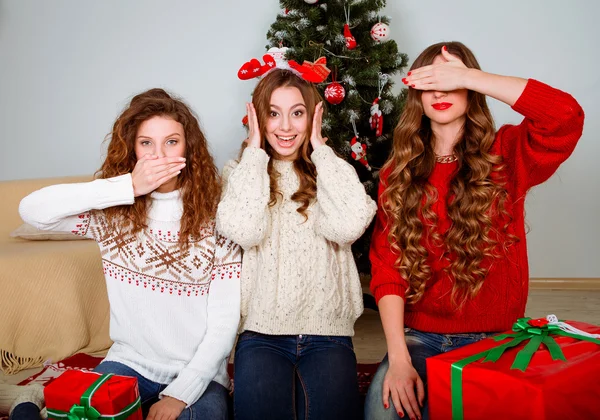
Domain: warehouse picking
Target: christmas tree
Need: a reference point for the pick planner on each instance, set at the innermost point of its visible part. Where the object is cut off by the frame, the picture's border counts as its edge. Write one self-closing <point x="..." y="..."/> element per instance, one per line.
<point x="354" y="38"/>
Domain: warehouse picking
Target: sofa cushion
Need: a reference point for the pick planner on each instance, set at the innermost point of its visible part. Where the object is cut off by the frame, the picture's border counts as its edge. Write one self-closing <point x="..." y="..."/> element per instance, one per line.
<point x="31" y="233"/>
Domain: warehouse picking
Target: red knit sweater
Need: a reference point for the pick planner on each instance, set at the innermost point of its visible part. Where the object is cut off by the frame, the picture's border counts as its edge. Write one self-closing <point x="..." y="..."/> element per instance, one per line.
<point x="532" y="152"/>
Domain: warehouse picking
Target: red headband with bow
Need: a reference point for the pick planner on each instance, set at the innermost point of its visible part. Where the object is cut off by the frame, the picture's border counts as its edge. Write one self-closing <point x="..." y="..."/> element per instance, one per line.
<point x="316" y="72"/>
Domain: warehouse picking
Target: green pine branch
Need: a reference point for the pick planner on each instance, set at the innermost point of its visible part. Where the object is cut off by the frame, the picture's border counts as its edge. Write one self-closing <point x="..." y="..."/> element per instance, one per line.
<point x="314" y="30"/>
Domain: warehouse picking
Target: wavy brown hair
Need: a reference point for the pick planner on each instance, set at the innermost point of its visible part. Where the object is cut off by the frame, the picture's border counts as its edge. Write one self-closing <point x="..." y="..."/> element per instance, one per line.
<point x="303" y="166"/>
<point x="476" y="200"/>
<point x="199" y="181"/>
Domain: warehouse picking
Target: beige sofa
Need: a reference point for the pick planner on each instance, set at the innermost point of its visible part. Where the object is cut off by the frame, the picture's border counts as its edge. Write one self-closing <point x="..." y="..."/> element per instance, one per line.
<point x="53" y="300"/>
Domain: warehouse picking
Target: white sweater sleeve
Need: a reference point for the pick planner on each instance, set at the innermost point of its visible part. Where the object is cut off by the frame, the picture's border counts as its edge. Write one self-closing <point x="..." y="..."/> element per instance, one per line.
<point x="344" y="210"/>
<point x="223" y="315"/>
<point x="61" y="207"/>
<point x="243" y="213"/>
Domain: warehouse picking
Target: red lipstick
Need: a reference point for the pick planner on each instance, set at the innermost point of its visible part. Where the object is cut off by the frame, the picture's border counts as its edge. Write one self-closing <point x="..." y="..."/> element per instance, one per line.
<point x="441" y="106"/>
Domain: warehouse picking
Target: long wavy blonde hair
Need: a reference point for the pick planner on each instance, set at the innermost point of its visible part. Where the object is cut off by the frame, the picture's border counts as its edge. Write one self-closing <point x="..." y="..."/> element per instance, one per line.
<point x="198" y="182"/>
<point x="303" y="166"/>
<point x="476" y="200"/>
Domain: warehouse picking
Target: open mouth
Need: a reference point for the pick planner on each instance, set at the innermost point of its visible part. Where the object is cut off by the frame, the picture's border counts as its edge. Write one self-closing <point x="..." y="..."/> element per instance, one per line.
<point x="285" y="138"/>
<point x="286" y="141"/>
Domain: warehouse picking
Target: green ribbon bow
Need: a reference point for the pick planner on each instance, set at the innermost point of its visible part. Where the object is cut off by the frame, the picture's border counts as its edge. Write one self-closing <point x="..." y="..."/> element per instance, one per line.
<point x="78" y="412"/>
<point x="523" y="331"/>
<point x="85" y="411"/>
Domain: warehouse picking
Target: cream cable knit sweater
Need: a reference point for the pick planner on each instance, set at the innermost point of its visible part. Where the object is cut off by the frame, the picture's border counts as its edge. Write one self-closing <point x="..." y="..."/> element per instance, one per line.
<point x="298" y="276"/>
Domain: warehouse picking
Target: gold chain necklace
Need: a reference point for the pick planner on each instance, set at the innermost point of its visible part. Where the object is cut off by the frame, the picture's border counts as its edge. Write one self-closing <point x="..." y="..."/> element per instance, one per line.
<point x="446" y="158"/>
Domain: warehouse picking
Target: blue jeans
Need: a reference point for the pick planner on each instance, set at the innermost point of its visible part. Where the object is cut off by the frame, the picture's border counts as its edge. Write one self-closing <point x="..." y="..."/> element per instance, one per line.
<point x="211" y="405"/>
<point x="288" y="377"/>
<point x="421" y="345"/>
<point x="25" y="411"/>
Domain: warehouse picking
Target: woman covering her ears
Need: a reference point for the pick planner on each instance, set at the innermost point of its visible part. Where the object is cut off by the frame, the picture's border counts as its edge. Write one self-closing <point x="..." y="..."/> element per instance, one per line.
<point x="295" y="208"/>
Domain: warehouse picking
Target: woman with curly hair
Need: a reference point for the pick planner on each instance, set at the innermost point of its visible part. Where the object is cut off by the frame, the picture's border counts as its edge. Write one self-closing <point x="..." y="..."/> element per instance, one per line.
<point x="449" y="258"/>
<point x="295" y="208"/>
<point x="172" y="279"/>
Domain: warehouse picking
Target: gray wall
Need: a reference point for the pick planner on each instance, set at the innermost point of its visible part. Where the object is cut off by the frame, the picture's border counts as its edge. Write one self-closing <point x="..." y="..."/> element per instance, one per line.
<point x="68" y="67"/>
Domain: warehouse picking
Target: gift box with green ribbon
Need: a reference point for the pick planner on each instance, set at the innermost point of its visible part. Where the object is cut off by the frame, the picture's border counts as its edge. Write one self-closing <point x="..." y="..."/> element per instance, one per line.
<point x="542" y="369"/>
<point x="78" y="395"/>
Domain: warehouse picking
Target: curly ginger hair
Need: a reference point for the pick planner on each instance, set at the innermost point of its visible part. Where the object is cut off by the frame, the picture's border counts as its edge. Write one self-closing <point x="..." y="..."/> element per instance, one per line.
<point x="199" y="182"/>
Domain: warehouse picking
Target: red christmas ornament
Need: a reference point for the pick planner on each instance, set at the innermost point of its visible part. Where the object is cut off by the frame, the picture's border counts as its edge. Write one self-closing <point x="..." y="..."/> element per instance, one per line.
<point x="335" y="93"/>
<point x="376" y="119"/>
<point x="316" y="72"/>
<point x="350" y="40"/>
<point x="359" y="152"/>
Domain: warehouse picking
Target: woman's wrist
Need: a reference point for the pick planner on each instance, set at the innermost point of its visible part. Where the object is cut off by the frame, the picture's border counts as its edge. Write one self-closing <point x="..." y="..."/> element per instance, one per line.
<point x="399" y="357"/>
<point x="472" y="79"/>
<point x="399" y="353"/>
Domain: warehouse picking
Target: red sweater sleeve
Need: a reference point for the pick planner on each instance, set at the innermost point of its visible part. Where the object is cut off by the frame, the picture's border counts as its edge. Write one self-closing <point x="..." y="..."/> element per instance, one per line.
<point x="385" y="278"/>
<point x="534" y="149"/>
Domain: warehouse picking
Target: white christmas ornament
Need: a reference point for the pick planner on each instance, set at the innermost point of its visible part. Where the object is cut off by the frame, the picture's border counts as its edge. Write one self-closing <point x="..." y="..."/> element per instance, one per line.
<point x="380" y="32"/>
<point x="310" y="1"/>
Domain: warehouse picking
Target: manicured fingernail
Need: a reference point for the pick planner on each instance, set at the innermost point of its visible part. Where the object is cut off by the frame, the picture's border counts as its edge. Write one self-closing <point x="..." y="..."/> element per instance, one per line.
<point x="401" y="414"/>
<point x="445" y="48"/>
<point x="386" y="406"/>
<point x="412" y="86"/>
<point x="404" y="81"/>
<point x="408" y="74"/>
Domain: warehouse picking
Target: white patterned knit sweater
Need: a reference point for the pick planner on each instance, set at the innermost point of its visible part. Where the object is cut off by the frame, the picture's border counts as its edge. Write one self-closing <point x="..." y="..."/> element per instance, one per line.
<point x="298" y="276"/>
<point x="173" y="315"/>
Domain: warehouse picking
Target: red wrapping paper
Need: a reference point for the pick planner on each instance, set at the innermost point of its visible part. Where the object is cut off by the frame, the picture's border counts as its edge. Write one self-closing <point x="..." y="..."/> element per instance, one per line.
<point x="547" y="390"/>
<point x="111" y="398"/>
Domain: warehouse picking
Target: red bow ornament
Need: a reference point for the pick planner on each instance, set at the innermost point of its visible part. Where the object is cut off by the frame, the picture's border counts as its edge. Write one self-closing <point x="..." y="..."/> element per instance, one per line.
<point x="316" y="72"/>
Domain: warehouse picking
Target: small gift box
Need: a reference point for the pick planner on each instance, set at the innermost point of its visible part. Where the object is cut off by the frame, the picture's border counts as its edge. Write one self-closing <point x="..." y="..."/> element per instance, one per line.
<point x="542" y="369"/>
<point x="87" y="395"/>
